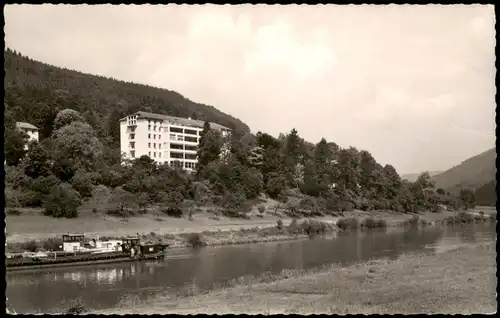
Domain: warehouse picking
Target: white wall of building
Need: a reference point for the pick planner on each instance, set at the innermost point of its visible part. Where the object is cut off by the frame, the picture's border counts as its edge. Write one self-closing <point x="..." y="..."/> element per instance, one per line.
<point x="161" y="140"/>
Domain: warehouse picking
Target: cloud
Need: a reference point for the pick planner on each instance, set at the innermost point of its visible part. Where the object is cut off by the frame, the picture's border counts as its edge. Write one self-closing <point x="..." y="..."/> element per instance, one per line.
<point x="395" y="80"/>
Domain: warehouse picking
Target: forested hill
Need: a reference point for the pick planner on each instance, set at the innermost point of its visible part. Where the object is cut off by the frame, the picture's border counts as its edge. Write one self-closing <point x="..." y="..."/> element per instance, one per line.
<point x="35" y="92"/>
<point x="472" y="173"/>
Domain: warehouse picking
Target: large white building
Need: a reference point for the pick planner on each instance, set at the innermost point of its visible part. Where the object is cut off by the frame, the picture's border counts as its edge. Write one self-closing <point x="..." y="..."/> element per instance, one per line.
<point x="165" y="139"/>
<point x="30" y="130"/>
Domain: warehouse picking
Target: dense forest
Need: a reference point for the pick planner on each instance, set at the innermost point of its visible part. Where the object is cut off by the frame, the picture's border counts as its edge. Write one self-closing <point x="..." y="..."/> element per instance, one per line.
<point x="35" y="92"/>
<point x="76" y="165"/>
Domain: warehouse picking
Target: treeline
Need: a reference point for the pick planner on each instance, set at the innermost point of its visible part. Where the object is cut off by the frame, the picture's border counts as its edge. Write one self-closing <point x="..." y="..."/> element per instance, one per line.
<point x="35" y="92"/>
<point x="73" y="167"/>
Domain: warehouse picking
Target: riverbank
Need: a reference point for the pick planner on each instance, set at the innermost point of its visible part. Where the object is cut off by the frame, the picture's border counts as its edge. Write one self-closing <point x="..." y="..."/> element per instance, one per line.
<point x="30" y="231"/>
<point x="458" y="281"/>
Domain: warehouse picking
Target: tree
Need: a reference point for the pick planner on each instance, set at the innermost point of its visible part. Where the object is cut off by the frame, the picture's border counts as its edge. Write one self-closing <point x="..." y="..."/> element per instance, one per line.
<point x="37" y="161"/>
<point x="66" y="117"/>
<point x="62" y="201"/>
<point x="84" y="182"/>
<point x="293" y="152"/>
<point x="121" y="200"/>
<point x="14" y="141"/>
<point x="209" y="149"/>
<point x="467" y="198"/>
<point x="276" y="183"/>
<point x="75" y="147"/>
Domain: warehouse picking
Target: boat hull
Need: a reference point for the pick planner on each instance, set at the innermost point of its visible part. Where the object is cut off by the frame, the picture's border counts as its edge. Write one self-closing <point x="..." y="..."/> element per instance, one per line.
<point x="78" y="260"/>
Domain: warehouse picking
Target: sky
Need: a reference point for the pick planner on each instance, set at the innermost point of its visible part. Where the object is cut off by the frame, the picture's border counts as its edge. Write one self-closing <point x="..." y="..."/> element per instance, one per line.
<point x="414" y="85"/>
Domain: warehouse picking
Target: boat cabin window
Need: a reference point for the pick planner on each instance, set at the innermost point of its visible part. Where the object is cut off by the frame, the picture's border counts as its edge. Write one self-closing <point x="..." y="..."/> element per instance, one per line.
<point x="73" y="238"/>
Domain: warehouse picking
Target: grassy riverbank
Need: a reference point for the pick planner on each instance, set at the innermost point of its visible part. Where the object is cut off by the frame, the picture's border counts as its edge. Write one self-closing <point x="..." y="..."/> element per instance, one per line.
<point x="30" y="230"/>
<point x="456" y="281"/>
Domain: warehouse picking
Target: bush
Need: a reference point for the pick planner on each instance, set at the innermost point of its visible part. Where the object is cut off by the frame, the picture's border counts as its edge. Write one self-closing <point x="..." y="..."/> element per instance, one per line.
<point x="372" y="223"/>
<point x="279" y="224"/>
<point x="62" y="201"/>
<point x="31" y="199"/>
<point x="348" y="223"/>
<point x="123" y="213"/>
<point x="31" y="246"/>
<point x="314" y="227"/>
<point x="293" y="228"/>
<point x="261" y="209"/>
<point x="13" y="212"/>
<point x="173" y="212"/>
<point x="52" y="244"/>
<point x="195" y="240"/>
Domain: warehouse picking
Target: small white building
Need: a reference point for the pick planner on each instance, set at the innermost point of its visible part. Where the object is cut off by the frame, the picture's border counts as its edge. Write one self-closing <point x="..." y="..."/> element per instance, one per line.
<point x="165" y="139"/>
<point x="30" y="130"/>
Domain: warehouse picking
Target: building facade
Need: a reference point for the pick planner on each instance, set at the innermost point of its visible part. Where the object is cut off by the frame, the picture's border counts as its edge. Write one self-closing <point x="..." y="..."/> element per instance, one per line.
<point x="165" y="139"/>
<point x="30" y="130"/>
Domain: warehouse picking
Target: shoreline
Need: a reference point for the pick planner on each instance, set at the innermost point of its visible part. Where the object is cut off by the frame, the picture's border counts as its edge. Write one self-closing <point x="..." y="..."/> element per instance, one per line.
<point x="234" y="232"/>
<point x="462" y="280"/>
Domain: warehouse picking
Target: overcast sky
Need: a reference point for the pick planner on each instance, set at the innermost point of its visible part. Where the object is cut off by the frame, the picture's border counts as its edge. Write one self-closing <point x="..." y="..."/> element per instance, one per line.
<point x="414" y="85"/>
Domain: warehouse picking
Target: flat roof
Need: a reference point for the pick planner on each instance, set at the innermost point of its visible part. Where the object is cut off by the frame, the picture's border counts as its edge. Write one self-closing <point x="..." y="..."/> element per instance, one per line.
<point x="176" y="120"/>
<point x="21" y="124"/>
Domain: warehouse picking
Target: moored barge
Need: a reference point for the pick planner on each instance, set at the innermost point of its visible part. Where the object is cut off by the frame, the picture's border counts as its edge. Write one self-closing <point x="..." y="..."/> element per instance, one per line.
<point x="127" y="250"/>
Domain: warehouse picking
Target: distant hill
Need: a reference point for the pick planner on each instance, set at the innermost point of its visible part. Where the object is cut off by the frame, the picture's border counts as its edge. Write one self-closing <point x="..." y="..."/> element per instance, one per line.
<point x="35" y="91"/>
<point x="486" y="194"/>
<point x="471" y="173"/>
<point x="412" y="177"/>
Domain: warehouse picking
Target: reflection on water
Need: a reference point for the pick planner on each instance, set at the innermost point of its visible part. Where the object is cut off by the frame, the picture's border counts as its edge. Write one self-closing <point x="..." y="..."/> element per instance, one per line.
<point x="103" y="286"/>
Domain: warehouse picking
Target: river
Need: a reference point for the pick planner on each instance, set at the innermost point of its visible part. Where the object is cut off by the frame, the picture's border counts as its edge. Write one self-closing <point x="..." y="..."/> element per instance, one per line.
<point x="104" y="286"/>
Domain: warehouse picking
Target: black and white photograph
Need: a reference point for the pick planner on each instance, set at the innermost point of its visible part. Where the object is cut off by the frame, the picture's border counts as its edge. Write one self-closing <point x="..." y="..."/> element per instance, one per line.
<point x="250" y="159"/>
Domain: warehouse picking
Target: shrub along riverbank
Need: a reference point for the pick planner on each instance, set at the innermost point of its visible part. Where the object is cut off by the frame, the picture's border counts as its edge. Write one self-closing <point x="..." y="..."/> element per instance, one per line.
<point x="295" y="229"/>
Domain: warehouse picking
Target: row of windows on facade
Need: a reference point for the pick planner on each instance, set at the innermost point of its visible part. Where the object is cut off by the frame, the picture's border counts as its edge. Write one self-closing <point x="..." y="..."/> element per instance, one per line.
<point x="172" y="137"/>
<point x="174" y="155"/>
<point x="172" y="146"/>
<point x="168" y="129"/>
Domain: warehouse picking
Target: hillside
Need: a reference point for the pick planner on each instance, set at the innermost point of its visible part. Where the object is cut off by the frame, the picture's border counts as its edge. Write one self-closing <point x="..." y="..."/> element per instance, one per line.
<point x="412" y="177"/>
<point x="473" y="172"/>
<point x="34" y="89"/>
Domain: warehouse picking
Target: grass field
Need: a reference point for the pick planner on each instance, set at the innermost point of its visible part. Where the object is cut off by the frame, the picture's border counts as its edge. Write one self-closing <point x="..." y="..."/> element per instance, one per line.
<point x="459" y="281"/>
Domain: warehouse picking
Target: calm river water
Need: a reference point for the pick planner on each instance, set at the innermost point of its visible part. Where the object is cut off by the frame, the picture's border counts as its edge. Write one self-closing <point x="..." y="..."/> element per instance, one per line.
<point x="103" y="286"/>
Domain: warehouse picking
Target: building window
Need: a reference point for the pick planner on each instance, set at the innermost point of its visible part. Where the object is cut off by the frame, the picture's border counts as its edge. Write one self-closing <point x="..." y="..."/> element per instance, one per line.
<point x="154" y="154"/>
<point x="154" y="145"/>
<point x="154" y="136"/>
<point x="159" y="146"/>
<point x="176" y="155"/>
<point x="149" y="136"/>
<point x="154" y="128"/>
<point x="176" y="146"/>
<point x="149" y="154"/>
<point x="132" y="154"/>
<point x="132" y="145"/>
<point x="159" y="136"/>
<point x="131" y="136"/>
<point x="190" y="156"/>
<point x="176" y="130"/>
<point x="190" y="132"/>
<point x="192" y="148"/>
<point x="191" y="139"/>
<point x="149" y="145"/>
<point x="172" y="136"/>
<point x="181" y="138"/>
<point x="159" y="155"/>
<point x="149" y="127"/>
